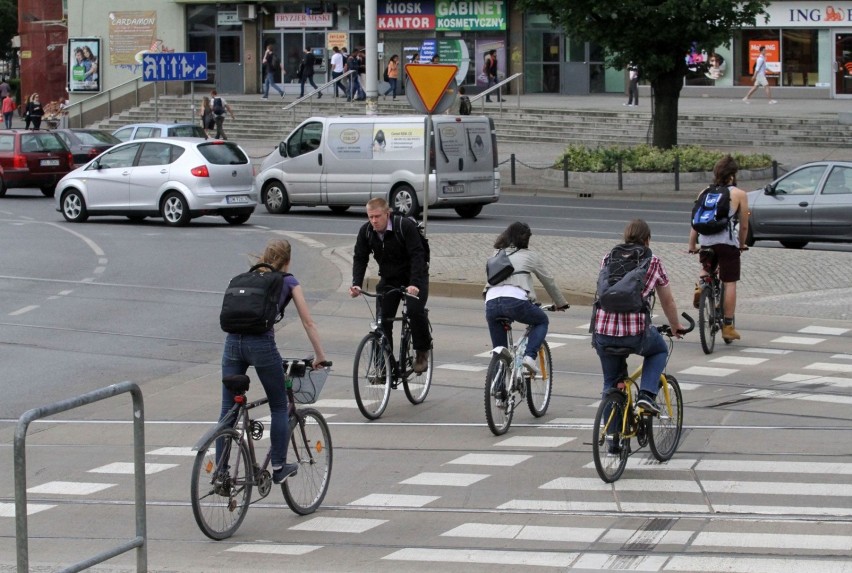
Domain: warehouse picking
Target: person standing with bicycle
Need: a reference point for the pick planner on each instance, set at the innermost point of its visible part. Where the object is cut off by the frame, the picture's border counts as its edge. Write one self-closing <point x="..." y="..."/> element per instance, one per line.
<point x="723" y="249"/>
<point x="634" y="330"/>
<point x="514" y="298"/>
<point x="260" y="351"/>
<point x="402" y="264"/>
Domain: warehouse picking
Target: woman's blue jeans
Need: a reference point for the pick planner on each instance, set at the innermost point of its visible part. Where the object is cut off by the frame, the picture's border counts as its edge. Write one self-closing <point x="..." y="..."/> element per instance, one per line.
<point x="651" y="345"/>
<point x="391" y="87"/>
<point x="522" y="311"/>
<point x="260" y="351"/>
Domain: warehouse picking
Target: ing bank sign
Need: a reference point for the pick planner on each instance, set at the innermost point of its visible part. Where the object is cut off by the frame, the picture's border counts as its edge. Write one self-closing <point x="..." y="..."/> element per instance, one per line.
<point x="808" y="14"/>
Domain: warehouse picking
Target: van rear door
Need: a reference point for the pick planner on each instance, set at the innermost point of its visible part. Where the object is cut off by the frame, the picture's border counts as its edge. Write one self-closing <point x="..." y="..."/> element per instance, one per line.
<point x="348" y="172"/>
<point x="464" y="159"/>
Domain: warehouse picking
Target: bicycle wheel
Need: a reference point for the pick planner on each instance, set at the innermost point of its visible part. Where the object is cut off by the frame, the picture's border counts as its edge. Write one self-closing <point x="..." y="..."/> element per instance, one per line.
<point x="540" y="388"/>
<point x="416" y="385"/>
<point x="371" y="376"/>
<point x="221" y="491"/>
<point x="311" y="450"/>
<point x="499" y="403"/>
<point x="664" y="430"/>
<point x="707" y="320"/>
<point x="609" y="448"/>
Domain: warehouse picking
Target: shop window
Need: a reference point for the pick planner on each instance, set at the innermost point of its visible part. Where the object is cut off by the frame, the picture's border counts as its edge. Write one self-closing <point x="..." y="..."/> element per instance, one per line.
<point x="746" y="55"/>
<point x="799" y="58"/>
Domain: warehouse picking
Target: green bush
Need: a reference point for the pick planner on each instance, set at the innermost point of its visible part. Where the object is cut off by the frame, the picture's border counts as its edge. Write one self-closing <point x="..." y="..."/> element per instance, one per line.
<point x="644" y="158"/>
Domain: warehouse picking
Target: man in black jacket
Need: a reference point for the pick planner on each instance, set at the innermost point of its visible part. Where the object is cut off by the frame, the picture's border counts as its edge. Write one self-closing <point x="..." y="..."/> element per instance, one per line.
<point x="402" y="263"/>
<point x="306" y="72"/>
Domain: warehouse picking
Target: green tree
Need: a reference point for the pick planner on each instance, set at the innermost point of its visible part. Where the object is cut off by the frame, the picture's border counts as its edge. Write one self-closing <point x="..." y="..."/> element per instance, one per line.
<point x="8" y="26"/>
<point x="654" y="34"/>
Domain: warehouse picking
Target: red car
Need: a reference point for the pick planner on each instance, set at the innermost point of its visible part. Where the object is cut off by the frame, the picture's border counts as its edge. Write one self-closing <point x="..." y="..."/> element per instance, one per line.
<point x="32" y="159"/>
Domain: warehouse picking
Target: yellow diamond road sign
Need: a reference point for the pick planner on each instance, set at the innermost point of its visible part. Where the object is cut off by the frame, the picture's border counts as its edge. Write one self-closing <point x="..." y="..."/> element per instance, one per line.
<point x="430" y="81"/>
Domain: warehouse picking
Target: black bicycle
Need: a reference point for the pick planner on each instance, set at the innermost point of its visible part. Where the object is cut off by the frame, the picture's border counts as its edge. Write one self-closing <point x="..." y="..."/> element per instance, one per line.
<point x="226" y="468"/>
<point x="377" y="371"/>
<point x="711" y="308"/>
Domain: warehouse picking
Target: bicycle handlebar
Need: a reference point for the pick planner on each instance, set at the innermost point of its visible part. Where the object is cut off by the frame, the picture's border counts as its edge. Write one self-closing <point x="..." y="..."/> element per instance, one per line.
<point x="667" y="329"/>
<point x="553" y="307"/>
<point x="397" y="289"/>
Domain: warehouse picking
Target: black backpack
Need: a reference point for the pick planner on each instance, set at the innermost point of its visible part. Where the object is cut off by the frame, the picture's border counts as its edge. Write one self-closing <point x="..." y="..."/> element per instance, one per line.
<point x="218" y="108"/>
<point x="711" y="212"/>
<point x="464" y="105"/>
<point x="421" y="231"/>
<point x="622" y="279"/>
<point x="250" y="305"/>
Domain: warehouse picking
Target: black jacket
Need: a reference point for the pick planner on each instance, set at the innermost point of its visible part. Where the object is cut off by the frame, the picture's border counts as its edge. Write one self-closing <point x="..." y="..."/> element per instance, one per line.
<point x="401" y="258"/>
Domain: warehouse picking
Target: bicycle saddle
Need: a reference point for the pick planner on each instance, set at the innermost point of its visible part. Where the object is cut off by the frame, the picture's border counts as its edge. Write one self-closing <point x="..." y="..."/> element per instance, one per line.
<point x="618" y="350"/>
<point x="505" y="320"/>
<point x="238" y="383"/>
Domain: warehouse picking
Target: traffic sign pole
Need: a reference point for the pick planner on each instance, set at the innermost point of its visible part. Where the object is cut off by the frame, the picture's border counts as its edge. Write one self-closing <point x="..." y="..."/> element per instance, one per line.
<point x="428" y="170"/>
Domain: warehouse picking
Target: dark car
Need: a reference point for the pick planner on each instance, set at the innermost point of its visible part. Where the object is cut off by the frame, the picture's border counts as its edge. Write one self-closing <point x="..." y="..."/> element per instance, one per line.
<point x="33" y="159"/>
<point x="86" y="144"/>
<point x="811" y="203"/>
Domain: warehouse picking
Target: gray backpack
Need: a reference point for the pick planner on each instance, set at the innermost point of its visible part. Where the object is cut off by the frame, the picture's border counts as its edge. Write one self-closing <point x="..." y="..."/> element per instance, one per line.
<point x="622" y="279"/>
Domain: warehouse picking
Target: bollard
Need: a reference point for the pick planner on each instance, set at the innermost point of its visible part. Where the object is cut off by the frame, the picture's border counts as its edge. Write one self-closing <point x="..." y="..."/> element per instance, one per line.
<point x="565" y="172"/>
<point x="620" y="180"/>
<point x="513" y="168"/>
<point x="774" y="169"/>
<point x="677" y="172"/>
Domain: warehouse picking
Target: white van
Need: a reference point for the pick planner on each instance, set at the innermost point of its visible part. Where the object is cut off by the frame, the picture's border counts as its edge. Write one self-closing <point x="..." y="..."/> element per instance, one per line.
<point x="345" y="161"/>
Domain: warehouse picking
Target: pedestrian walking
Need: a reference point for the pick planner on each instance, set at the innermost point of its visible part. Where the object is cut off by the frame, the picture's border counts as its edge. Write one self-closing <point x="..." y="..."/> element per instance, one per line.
<point x="220" y="106"/>
<point x="8" y="110"/>
<point x="306" y="72"/>
<point x="391" y="76"/>
<point x="633" y="85"/>
<point x="206" y="114"/>
<point x="337" y="65"/>
<point x="271" y="65"/>
<point x="490" y="69"/>
<point x="33" y="112"/>
<point x="759" y="78"/>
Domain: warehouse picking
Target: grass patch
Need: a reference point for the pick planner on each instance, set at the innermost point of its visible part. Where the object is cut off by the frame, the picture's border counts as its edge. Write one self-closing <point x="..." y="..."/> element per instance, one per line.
<point x="648" y="159"/>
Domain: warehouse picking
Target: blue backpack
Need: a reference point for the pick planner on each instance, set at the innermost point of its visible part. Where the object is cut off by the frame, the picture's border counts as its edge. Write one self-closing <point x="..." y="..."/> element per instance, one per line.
<point x="711" y="212"/>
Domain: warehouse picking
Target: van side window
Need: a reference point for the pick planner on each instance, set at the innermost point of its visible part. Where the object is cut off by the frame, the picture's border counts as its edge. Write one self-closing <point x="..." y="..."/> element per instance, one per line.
<point x="305" y="139"/>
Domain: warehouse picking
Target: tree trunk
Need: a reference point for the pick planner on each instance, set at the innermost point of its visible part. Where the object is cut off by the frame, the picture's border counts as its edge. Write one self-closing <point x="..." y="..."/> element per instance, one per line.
<point x="666" y="88"/>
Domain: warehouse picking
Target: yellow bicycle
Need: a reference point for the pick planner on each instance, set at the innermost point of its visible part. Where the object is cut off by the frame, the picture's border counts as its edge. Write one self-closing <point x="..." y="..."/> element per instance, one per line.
<point x="619" y="419"/>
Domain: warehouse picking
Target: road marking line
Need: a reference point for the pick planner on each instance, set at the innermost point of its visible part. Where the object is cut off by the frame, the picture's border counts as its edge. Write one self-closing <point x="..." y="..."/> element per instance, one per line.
<point x="776" y="488"/>
<point x="483" y="354"/>
<point x="783" y="510"/>
<point x="798" y="340"/>
<point x="553" y="505"/>
<point x="24" y="310"/>
<point x="273" y="549"/>
<point x="339" y="524"/>
<point x="798" y="396"/>
<point x="462" y="367"/>
<point x="646" y="537"/>
<point x="127" y="468"/>
<point x="823" y="330"/>
<point x="708" y="371"/>
<point x="70" y="488"/>
<point x="743" y="360"/>
<point x="330" y="403"/>
<point x="534" y="442"/>
<point x="570" y="336"/>
<point x="688" y="385"/>
<point x="740" y="564"/>
<point x="842" y="356"/>
<point x="792" y="377"/>
<point x="608" y="562"/>
<point x="650" y="463"/>
<point x="8" y="509"/>
<point x="766" y="350"/>
<point x="445" y="479"/>
<point x="173" y="451"/>
<point x="594" y="484"/>
<point x="825" y="380"/>
<point x="756" y="466"/>
<point x="829" y="366"/>
<point x="525" y="532"/>
<point x="526" y="558"/>
<point x="502" y="460"/>
<point x="394" y="500"/>
<point x="555" y="344"/>
<point x="773" y="540"/>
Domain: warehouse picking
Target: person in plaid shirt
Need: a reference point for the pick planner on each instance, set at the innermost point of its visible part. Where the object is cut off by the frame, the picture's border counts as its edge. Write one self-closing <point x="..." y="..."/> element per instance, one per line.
<point x="634" y="330"/>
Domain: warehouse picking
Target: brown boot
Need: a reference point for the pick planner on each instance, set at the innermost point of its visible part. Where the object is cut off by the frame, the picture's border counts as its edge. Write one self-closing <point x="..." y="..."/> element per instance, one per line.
<point x="697" y="296"/>
<point x="729" y="333"/>
<point x="421" y="361"/>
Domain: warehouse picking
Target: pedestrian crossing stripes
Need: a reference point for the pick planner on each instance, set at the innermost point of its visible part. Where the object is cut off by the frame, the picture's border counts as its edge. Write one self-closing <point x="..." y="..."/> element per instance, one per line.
<point x="339" y="524"/>
<point x="129" y="468"/>
<point x="444" y="479"/>
<point x="394" y="500"/>
<point x="274" y="548"/>
<point x="500" y="460"/>
<point x="69" y="488"/>
<point x="8" y="509"/>
<point x="803" y="340"/>
<point x="524" y="558"/>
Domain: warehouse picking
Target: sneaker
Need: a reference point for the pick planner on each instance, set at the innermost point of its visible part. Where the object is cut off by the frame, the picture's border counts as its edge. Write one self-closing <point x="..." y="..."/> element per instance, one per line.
<point x="614" y="447"/>
<point x="530" y="364"/>
<point x="263" y="97"/>
<point x="626" y="104"/>
<point x="421" y="361"/>
<point x="772" y="101"/>
<point x="319" y="95"/>
<point x="729" y="333"/>
<point x="282" y="96"/>
<point x="648" y="403"/>
<point x="285" y="471"/>
<point x="696" y="297"/>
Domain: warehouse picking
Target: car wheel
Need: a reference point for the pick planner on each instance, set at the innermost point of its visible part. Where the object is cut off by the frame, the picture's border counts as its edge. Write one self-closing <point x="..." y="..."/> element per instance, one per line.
<point x="236" y="219"/>
<point x="275" y="197"/>
<point x="468" y="211"/>
<point x="174" y="210"/>
<point x="338" y="208"/>
<point x="74" y="207"/>
<point x="404" y="201"/>
<point x="794" y="244"/>
<point x="49" y="191"/>
<point x="136" y="218"/>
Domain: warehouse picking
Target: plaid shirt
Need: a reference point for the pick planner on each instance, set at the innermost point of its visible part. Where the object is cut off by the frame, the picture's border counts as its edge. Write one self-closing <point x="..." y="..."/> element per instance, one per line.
<point x="631" y="323"/>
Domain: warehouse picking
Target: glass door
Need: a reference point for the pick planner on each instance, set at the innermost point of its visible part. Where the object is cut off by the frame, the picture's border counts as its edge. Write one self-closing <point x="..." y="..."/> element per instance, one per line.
<point x="843" y="64"/>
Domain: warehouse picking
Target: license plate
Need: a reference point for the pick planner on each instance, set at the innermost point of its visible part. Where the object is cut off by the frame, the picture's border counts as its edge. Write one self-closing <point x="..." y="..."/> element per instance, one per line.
<point x="237" y="199"/>
<point x="50" y="163"/>
<point x="449" y="189"/>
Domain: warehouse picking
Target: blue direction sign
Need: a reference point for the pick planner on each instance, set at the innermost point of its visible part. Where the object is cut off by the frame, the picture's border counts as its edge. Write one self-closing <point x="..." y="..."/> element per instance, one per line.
<point x="174" y="66"/>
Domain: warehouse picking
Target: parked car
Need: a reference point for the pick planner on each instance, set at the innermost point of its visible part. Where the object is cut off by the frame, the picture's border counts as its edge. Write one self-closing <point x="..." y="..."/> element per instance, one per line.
<point x="86" y="144"/>
<point x="144" y="130"/>
<point x="811" y="203"/>
<point x="32" y="159"/>
<point x="177" y="179"/>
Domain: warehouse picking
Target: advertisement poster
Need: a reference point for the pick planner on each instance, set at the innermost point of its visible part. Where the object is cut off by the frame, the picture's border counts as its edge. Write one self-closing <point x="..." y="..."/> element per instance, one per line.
<point x="389" y="137"/>
<point x="483" y="46"/>
<point x="131" y="34"/>
<point x="772" y="53"/>
<point x="83" y="65"/>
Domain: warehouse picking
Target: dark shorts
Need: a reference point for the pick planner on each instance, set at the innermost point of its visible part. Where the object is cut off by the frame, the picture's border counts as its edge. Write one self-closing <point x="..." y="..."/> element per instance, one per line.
<point x="726" y="257"/>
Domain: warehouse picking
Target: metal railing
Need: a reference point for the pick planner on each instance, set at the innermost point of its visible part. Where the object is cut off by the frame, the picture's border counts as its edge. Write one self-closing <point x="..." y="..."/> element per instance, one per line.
<point x="496" y="87"/>
<point x="107" y="98"/>
<point x="140" y="542"/>
<point x="310" y="95"/>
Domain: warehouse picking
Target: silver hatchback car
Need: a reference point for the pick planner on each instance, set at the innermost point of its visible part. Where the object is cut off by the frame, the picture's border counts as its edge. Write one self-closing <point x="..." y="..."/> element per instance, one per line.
<point x="177" y="179"/>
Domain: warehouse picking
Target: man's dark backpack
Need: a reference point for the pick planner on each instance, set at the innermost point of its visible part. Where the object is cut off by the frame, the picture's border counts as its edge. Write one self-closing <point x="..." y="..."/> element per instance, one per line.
<point x="421" y="232"/>
<point x="250" y="305"/>
<point x="622" y="279"/>
<point x="464" y="105"/>
<point x="711" y="212"/>
<point x="386" y="77"/>
<point x="218" y="108"/>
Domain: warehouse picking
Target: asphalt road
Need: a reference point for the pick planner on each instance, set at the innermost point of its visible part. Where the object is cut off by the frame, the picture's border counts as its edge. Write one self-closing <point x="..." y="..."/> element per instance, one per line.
<point x="760" y="481"/>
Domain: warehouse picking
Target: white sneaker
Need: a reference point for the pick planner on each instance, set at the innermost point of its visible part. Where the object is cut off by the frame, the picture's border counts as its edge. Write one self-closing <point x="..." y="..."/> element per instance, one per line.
<point x="772" y="101"/>
<point x="530" y="364"/>
<point x="746" y="100"/>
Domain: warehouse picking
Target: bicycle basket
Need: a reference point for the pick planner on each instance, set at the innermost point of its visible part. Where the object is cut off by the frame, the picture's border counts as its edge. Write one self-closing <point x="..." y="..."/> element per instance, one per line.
<point x="307" y="388"/>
